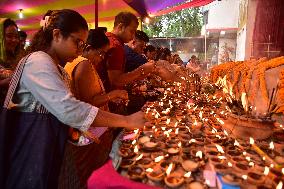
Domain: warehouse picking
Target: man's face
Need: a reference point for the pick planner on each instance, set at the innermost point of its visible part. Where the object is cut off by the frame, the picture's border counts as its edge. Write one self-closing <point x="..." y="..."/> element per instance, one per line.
<point x="128" y="32"/>
<point x="139" y="46"/>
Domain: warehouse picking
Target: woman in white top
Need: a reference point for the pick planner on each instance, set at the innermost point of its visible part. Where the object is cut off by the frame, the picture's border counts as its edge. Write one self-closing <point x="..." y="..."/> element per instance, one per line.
<point x="44" y="85"/>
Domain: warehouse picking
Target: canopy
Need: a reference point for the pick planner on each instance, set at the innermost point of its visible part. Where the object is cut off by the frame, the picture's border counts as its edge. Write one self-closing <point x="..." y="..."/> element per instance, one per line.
<point x="34" y="9"/>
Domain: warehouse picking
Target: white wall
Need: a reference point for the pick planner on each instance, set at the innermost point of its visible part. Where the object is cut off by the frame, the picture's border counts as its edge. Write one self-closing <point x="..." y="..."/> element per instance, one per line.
<point x="223" y="14"/>
<point x="241" y="44"/>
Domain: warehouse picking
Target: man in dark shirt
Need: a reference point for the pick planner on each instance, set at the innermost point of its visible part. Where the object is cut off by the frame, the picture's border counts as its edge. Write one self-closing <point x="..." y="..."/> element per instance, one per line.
<point x="134" y="51"/>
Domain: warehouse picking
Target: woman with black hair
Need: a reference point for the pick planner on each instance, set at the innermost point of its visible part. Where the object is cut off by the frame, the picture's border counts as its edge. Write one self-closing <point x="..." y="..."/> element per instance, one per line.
<point x="9" y="53"/>
<point x="39" y="106"/>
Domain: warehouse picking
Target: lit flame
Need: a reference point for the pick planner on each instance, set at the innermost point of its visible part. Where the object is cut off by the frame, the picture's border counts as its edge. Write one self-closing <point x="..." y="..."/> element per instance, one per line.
<point x="283" y="171"/>
<point x="244" y="101"/>
<point x="251" y="164"/>
<point x="139" y="157"/>
<point x="271" y="146"/>
<point x="136" y="149"/>
<point x="176" y="131"/>
<point x="149" y="170"/>
<point x="221" y="157"/>
<point x="245" y="177"/>
<point x="163" y="128"/>
<point x="248" y="158"/>
<point x="236" y="143"/>
<point x="179" y="144"/>
<point x="192" y="140"/>
<point x="159" y="158"/>
<point x="195" y="123"/>
<point x="280" y="185"/>
<point x="200" y="114"/>
<point x="251" y="141"/>
<point x="271" y="165"/>
<point x="266" y="171"/>
<point x="168" y="121"/>
<point x="169" y="169"/>
<point x="136" y="131"/>
<point x="219" y="148"/>
<point x="133" y="142"/>
<point x="226" y="133"/>
<point x="176" y="124"/>
<point x="187" y="175"/>
<point x="230" y="164"/>
<point x="148" y="109"/>
<point x="199" y="154"/>
<point x="220" y="121"/>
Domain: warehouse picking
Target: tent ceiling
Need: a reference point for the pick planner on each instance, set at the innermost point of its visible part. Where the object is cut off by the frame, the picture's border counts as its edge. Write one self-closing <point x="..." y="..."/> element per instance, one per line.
<point x="34" y="9"/>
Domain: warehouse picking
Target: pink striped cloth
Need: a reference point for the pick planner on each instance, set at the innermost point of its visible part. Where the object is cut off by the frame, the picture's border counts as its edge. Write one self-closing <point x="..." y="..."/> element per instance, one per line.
<point x="106" y="177"/>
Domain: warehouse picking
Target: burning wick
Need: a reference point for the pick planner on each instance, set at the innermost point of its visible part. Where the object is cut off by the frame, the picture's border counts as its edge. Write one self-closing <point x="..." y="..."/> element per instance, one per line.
<point x="251" y="141"/>
<point x="266" y="171"/>
<point x="187" y="175"/>
<point x="136" y="131"/>
<point x="283" y="171"/>
<point x="245" y="177"/>
<point x="220" y="149"/>
<point x="176" y="131"/>
<point x="169" y="169"/>
<point x="139" y="157"/>
<point x="280" y="185"/>
<point x="159" y="158"/>
<point x="251" y="164"/>
<point x="236" y="143"/>
<point x="133" y="142"/>
<point x="168" y="121"/>
<point x="149" y="170"/>
<point x="230" y="164"/>
<point x="199" y="154"/>
<point x="271" y="145"/>
<point x="136" y="149"/>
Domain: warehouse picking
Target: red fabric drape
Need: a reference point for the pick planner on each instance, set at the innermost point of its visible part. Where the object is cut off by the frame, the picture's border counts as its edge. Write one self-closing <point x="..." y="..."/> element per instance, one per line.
<point x="191" y="4"/>
<point x="269" y="21"/>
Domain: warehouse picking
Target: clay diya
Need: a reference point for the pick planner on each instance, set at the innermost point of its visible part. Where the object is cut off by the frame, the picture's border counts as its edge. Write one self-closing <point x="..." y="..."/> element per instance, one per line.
<point x="196" y="185"/>
<point x="145" y="162"/>
<point x="173" y="151"/>
<point x="126" y="153"/>
<point x="231" y="179"/>
<point x="279" y="160"/>
<point x="150" y="146"/>
<point x="125" y="163"/>
<point x="172" y="143"/>
<point x="255" y="178"/>
<point x="144" y="139"/>
<point x="241" y="167"/>
<point x="221" y="168"/>
<point x="174" y="180"/>
<point x="234" y="153"/>
<point x="190" y="165"/>
<point x="136" y="172"/>
<point x="156" y="175"/>
<point x="164" y="165"/>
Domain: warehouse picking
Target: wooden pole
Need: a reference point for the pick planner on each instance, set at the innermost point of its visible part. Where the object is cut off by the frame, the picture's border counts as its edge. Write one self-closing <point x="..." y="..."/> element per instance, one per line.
<point x="96" y="13"/>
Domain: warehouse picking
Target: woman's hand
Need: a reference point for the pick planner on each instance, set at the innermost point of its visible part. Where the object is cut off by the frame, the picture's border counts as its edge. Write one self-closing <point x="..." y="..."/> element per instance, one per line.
<point x="136" y="120"/>
<point x="118" y="94"/>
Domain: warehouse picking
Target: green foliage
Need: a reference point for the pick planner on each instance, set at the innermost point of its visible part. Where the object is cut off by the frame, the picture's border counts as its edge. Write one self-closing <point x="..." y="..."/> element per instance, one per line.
<point x="184" y="23"/>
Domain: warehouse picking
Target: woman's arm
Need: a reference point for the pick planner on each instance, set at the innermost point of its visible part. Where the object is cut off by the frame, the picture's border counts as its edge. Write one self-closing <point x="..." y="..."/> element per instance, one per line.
<point x="42" y="78"/>
<point x="86" y="88"/>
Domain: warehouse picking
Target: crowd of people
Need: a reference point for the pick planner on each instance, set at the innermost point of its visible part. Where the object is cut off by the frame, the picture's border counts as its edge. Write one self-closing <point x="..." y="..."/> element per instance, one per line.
<point x="70" y="83"/>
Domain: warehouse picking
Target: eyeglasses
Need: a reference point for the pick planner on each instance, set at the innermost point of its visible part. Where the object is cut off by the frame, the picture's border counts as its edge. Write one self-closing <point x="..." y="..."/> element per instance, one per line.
<point x="80" y="43"/>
